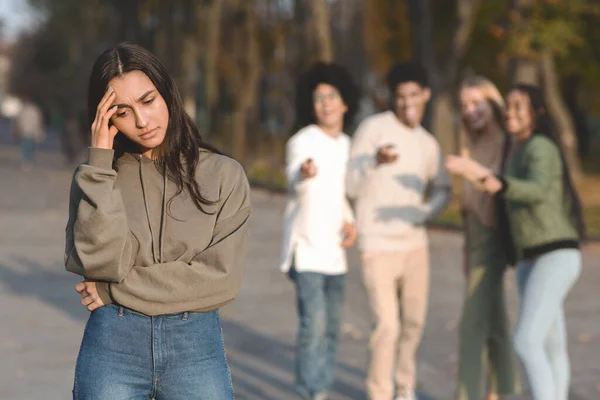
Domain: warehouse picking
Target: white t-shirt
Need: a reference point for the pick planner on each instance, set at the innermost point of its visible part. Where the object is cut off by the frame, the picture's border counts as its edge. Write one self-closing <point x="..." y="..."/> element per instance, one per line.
<point x="316" y="207"/>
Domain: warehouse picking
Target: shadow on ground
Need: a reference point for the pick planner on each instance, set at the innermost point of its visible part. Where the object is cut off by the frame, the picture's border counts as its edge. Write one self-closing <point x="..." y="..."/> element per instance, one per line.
<point x="262" y="366"/>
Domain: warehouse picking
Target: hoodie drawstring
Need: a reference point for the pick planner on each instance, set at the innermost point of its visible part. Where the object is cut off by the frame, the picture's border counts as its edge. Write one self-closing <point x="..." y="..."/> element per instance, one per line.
<point x="156" y="259"/>
<point x="163" y="218"/>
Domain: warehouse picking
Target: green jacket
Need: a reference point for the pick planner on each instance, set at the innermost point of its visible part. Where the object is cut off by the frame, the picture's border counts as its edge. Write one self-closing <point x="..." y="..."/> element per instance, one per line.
<point x="537" y="209"/>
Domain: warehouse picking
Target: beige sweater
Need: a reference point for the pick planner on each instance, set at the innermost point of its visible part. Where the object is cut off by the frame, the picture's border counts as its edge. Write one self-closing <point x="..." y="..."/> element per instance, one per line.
<point x="151" y="256"/>
<point x="394" y="201"/>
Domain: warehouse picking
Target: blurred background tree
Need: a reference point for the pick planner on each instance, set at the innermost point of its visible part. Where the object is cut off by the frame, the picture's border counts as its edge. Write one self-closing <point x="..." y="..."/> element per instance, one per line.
<point x="236" y="61"/>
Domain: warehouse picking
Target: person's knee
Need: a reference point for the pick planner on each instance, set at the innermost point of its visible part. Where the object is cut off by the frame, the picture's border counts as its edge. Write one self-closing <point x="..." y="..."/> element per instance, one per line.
<point x="526" y="344"/>
<point x="555" y="346"/>
<point x="387" y="330"/>
<point x="471" y="324"/>
<point x="313" y="327"/>
<point x="413" y="324"/>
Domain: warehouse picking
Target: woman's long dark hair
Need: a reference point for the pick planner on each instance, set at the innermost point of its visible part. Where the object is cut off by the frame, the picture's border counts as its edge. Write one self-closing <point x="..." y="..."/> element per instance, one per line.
<point x="180" y="150"/>
<point x="545" y="126"/>
<point x="331" y="74"/>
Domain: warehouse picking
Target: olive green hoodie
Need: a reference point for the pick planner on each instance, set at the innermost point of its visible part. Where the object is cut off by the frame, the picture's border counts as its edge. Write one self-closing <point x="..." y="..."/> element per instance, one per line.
<point x="152" y="254"/>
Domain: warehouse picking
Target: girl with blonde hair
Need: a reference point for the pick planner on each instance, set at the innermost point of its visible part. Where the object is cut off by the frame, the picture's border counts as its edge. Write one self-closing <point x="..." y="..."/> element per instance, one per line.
<point x="484" y="327"/>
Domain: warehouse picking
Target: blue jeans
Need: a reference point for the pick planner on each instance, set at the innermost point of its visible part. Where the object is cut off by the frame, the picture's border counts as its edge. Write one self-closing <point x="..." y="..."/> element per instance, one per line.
<point x="541" y="337"/>
<point x="28" y="149"/>
<point x="127" y="355"/>
<point x="320" y="299"/>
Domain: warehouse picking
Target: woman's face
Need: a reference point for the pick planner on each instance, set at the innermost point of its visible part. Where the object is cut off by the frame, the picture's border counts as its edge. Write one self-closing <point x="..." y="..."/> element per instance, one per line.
<point x="142" y="114"/>
<point x="329" y="107"/>
<point x="519" y="115"/>
<point x="476" y="110"/>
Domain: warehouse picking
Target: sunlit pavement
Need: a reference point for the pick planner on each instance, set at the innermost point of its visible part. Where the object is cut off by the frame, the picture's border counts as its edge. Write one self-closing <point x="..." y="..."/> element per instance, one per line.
<point x="42" y="320"/>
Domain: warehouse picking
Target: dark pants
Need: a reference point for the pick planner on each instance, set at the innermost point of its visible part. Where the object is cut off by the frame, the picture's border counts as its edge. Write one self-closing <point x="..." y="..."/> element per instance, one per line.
<point x="127" y="355"/>
<point x="485" y="338"/>
<point x="320" y="299"/>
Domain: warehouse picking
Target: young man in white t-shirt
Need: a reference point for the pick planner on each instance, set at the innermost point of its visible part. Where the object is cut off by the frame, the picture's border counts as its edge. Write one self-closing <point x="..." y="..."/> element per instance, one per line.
<point x="394" y="164"/>
<point x="318" y="221"/>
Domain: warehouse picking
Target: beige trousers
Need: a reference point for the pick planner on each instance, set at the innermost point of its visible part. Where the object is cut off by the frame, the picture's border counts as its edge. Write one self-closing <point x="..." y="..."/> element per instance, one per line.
<point x="397" y="287"/>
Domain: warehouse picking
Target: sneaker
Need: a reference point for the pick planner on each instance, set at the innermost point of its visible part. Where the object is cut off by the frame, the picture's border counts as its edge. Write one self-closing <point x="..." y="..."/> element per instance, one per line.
<point x="405" y="394"/>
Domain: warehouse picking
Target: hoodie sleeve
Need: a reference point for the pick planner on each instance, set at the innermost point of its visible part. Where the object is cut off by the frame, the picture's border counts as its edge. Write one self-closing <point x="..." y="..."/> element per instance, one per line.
<point x="441" y="185"/>
<point x="295" y="156"/>
<point x="543" y="167"/>
<point x="362" y="162"/>
<point x="99" y="245"/>
<point x="211" y="279"/>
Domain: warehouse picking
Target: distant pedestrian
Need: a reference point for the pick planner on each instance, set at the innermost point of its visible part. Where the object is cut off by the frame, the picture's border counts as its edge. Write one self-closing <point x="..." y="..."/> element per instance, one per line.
<point x="485" y="335"/>
<point x="28" y="129"/>
<point x="394" y="162"/>
<point x="318" y="221"/>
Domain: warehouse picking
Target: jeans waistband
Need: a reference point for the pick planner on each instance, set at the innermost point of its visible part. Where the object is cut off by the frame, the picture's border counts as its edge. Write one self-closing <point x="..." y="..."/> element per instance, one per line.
<point x="122" y="311"/>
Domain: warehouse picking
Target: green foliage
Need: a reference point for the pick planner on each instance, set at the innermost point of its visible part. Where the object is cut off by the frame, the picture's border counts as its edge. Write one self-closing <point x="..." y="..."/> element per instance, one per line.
<point x="387" y="32"/>
<point x="553" y="24"/>
<point x="584" y="60"/>
<point x="485" y="55"/>
<point x="262" y="173"/>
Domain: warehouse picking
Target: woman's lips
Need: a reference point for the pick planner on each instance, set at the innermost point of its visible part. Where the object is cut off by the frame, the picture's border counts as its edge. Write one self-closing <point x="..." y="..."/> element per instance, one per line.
<point x="148" y="135"/>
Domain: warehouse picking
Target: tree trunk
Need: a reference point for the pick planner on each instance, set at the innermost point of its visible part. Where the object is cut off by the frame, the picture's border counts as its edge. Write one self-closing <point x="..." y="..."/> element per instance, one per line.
<point x="238" y="140"/>
<point x="320" y="17"/>
<point x="190" y="57"/>
<point x="442" y="76"/>
<point x="559" y="113"/>
<point x="161" y="35"/>
<point x="443" y="124"/>
<point x="210" y="73"/>
<point x="190" y="74"/>
<point x="522" y="67"/>
<point x="243" y="64"/>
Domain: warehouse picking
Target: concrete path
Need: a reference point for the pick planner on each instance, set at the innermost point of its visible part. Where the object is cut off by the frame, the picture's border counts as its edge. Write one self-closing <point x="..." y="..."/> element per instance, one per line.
<point x="42" y="321"/>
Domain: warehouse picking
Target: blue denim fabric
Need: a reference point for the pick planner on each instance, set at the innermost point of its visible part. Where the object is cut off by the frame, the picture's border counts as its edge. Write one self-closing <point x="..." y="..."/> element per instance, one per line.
<point x="127" y="355"/>
<point x="28" y="149"/>
<point x="320" y="300"/>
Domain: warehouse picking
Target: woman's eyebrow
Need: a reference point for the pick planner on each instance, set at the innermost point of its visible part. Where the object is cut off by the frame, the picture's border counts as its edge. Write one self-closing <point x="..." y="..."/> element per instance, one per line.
<point x="139" y="100"/>
<point x="142" y="97"/>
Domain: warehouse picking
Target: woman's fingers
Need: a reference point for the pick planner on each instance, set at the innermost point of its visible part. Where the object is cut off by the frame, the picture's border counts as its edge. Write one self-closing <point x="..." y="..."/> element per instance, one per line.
<point x="102" y="133"/>
<point x="81" y="286"/>
<point x="105" y="102"/>
<point x="86" y="301"/>
<point x="94" y="306"/>
<point x="113" y="131"/>
<point x="108" y="114"/>
<point x="89" y="295"/>
<point x="103" y="107"/>
<point x="101" y="113"/>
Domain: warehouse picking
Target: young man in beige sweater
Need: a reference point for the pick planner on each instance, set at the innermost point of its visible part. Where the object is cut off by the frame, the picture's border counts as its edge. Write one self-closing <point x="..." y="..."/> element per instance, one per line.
<point x="396" y="177"/>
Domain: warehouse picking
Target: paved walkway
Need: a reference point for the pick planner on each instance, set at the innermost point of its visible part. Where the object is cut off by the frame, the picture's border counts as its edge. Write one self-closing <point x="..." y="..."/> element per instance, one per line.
<point x="42" y="321"/>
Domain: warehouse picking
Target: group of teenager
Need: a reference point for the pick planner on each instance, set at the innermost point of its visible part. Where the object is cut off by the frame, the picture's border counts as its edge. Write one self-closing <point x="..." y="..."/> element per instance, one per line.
<point x="158" y="223"/>
<point x="381" y="187"/>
